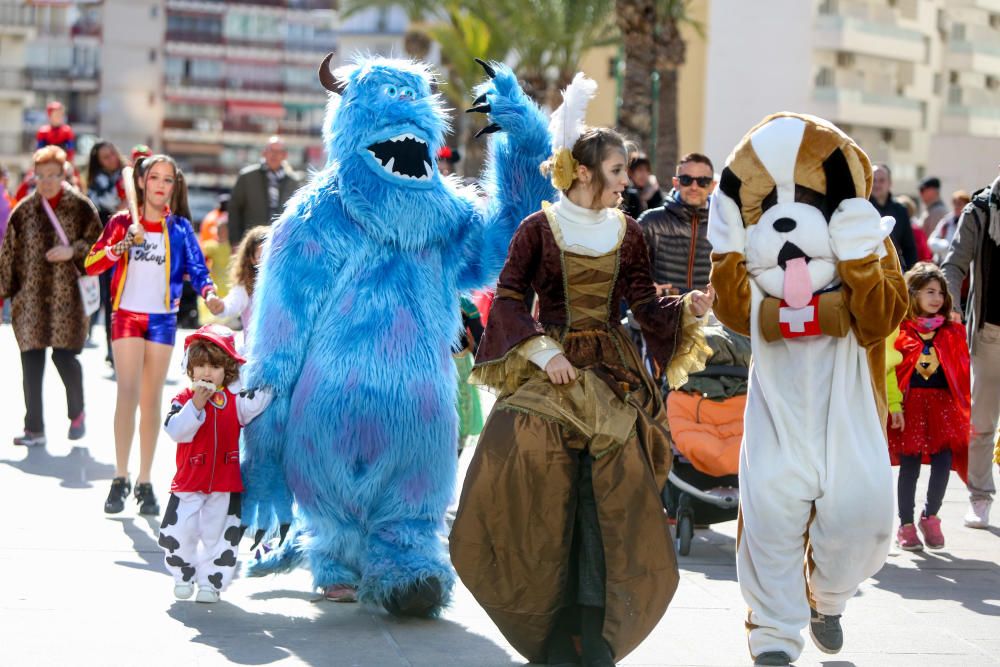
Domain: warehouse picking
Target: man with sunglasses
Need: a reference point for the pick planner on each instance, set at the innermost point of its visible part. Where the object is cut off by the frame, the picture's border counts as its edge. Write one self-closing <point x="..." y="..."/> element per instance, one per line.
<point x="676" y="233"/>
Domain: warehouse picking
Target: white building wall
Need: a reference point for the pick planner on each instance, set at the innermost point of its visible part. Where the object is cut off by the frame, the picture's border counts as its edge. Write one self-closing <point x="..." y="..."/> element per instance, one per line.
<point x="759" y="62"/>
<point x="131" y="104"/>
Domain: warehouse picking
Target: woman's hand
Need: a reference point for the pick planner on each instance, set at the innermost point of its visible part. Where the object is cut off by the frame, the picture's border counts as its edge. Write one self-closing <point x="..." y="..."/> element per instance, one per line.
<point x="955" y="316"/>
<point x="559" y="369"/>
<point x="214" y="304"/>
<point x="897" y="421"/>
<point x="59" y="253"/>
<point x="701" y="302"/>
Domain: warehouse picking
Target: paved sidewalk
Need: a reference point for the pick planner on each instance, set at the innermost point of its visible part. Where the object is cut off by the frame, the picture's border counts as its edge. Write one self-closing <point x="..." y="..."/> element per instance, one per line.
<point x="81" y="588"/>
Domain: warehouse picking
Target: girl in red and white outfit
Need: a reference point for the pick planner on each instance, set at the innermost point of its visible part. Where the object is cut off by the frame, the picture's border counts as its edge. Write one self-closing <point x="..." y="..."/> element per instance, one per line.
<point x="149" y="263"/>
<point x="929" y="402"/>
<point x="204" y="505"/>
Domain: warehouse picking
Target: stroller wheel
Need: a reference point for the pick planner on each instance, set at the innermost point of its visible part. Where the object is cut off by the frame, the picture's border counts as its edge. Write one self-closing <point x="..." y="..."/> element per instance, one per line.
<point x="685" y="532"/>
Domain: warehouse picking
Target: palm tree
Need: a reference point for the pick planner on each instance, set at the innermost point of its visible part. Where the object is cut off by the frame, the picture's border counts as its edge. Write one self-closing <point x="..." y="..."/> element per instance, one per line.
<point x="671" y="51"/>
<point x="416" y="41"/>
<point x="636" y="21"/>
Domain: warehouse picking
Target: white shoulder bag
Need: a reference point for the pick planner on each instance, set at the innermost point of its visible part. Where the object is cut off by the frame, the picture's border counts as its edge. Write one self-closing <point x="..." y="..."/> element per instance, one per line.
<point x="90" y="286"/>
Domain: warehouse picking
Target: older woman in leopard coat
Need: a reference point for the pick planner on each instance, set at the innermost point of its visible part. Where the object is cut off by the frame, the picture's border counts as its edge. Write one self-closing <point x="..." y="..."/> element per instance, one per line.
<point x="40" y="272"/>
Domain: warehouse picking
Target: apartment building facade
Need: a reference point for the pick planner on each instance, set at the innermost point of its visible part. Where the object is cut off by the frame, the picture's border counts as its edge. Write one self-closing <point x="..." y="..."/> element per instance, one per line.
<point x="915" y="82"/>
<point x="207" y="81"/>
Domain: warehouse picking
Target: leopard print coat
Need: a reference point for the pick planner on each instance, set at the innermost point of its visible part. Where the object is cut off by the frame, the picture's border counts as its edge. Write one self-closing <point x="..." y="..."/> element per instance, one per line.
<point x="47" y="310"/>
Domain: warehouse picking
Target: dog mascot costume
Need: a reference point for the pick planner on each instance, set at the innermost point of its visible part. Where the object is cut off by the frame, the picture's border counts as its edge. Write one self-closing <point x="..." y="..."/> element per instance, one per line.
<point x="357" y="309"/>
<point x="802" y="264"/>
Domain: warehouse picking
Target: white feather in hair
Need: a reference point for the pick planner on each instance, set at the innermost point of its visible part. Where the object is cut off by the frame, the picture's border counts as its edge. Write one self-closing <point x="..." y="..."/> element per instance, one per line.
<point x="567" y="122"/>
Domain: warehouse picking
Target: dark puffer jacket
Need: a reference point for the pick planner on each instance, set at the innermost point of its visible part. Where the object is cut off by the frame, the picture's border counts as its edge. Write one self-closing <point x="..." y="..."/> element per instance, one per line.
<point x="677" y="237"/>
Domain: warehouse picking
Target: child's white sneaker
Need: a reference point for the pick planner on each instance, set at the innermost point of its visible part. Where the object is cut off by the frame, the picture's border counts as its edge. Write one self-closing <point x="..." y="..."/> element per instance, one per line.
<point x="207" y="595"/>
<point x="183" y="591"/>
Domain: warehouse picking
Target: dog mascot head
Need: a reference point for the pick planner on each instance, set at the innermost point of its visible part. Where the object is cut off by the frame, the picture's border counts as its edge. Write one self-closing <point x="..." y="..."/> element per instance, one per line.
<point x="788" y="182"/>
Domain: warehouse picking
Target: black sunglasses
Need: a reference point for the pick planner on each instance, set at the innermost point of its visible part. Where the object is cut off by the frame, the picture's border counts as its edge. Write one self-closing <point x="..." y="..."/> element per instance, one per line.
<point x="703" y="181"/>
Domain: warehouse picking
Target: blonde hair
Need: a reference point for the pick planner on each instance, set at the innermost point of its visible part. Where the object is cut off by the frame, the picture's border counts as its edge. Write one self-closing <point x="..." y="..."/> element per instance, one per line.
<point x="49" y="155"/>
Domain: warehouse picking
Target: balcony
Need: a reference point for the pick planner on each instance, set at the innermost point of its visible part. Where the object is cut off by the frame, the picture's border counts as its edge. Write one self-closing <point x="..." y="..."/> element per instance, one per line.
<point x="856" y="107"/>
<point x="870" y="37"/>
<point x="980" y="55"/>
<point x="46" y="79"/>
<point x="17" y="20"/>
<point x="195" y="36"/>
<point x="16" y="143"/>
<point x="13" y="86"/>
<point x="977" y="121"/>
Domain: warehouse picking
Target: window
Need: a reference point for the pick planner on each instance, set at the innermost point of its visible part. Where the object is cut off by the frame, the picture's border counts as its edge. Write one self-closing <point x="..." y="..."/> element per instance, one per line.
<point x="152" y="55"/>
<point x="958" y="32"/>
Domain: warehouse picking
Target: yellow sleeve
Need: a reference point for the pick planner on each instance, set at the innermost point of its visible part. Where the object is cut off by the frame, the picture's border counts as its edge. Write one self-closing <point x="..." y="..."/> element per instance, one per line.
<point x="892" y="359"/>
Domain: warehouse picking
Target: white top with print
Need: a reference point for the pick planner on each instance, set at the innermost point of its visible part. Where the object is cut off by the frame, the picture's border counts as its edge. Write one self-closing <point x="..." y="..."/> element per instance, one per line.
<point x="146" y="280"/>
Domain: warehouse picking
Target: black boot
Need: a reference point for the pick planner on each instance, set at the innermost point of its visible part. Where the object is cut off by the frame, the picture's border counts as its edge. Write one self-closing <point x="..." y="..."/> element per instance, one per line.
<point x="147" y="499"/>
<point x="418" y="599"/>
<point x="560" y="648"/>
<point x="120" y="488"/>
<point x="596" y="650"/>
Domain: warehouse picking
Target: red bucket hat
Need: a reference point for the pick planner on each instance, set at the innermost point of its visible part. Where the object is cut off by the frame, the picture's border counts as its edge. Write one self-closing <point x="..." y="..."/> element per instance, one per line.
<point x="218" y="335"/>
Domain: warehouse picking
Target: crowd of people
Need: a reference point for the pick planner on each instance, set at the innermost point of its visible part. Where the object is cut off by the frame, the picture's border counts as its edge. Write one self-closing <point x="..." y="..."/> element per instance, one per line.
<point x="613" y="240"/>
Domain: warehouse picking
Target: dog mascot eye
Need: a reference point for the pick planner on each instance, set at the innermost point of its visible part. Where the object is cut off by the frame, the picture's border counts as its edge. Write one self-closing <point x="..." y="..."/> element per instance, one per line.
<point x="390" y="90"/>
<point x="407" y="93"/>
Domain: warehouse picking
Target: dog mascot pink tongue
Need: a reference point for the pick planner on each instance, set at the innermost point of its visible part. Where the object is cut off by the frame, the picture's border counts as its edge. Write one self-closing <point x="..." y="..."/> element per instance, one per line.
<point x="802" y="264"/>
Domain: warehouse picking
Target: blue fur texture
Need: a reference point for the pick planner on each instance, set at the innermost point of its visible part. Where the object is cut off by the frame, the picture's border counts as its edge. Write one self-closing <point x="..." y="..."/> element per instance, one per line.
<point x="355" y="311"/>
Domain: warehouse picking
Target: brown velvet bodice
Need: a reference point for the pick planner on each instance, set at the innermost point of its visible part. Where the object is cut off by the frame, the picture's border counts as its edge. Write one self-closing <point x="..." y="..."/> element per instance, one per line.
<point x="576" y="293"/>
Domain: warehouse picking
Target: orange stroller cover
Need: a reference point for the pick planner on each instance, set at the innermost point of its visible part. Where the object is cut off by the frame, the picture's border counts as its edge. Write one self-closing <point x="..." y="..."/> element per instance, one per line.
<point x="707" y="432"/>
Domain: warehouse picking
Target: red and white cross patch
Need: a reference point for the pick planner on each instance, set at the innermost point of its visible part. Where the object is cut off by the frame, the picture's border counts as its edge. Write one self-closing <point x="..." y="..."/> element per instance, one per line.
<point x="799" y="322"/>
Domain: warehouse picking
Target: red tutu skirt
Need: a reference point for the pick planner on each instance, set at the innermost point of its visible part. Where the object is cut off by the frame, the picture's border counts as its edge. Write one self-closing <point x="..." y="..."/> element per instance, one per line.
<point x="933" y="423"/>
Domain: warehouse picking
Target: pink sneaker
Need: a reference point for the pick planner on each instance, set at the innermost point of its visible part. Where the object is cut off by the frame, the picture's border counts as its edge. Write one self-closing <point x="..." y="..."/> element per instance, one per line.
<point x="340" y="593"/>
<point x="906" y="538"/>
<point x="930" y="527"/>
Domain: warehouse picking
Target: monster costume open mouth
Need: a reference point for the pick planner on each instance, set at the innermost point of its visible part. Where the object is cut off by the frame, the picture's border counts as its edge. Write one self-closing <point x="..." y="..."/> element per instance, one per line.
<point x="790" y="251"/>
<point x="404" y="156"/>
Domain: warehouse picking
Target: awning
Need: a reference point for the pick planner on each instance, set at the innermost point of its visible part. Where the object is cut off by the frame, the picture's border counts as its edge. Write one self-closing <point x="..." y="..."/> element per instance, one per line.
<point x="254" y="108"/>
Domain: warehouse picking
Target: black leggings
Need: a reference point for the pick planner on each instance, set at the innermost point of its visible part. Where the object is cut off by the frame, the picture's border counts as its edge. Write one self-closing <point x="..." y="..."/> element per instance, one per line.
<point x="33" y="369"/>
<point x="906" y="488"/>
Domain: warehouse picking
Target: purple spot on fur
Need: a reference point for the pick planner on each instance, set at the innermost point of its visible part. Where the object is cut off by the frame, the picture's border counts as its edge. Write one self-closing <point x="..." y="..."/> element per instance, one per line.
<point x="370" y="437"/>
<point x="279" y="325"/>
<point x="309" y="379"/>
<point x="352" y="380"/>
<point x="415" y="489"/>
<point x="300" y="487"/>
<point x="428" y="406"/>
<point x="401" y="335"/>
<point x="311" y="249"/>
<point x="347" y="303"/>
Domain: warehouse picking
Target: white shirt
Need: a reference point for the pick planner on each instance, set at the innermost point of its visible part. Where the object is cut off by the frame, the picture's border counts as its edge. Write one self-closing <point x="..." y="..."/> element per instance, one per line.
<point x="238" y="302"/>
<point x="586" y="231"/>
<point x="145" y="288"/>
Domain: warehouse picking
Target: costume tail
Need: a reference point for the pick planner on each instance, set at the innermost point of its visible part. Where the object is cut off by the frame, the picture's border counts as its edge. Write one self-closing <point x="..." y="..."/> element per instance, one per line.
<point x="288" y="556"/>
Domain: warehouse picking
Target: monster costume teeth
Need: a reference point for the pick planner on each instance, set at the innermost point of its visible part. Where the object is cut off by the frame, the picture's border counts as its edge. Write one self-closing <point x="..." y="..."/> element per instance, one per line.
<point x="405" y="156"/>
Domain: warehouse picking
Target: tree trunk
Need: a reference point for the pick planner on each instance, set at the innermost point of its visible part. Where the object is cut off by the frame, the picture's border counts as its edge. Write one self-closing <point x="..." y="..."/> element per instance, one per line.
<point x="416" y="43"/>
<point x="667" y="142"/>
<point x="636" y="20"/>
<point x="671" y="53"/>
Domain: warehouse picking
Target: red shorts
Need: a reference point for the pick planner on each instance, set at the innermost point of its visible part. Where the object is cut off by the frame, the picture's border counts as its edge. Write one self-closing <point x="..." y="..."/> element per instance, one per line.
<point x="154" y="327"/>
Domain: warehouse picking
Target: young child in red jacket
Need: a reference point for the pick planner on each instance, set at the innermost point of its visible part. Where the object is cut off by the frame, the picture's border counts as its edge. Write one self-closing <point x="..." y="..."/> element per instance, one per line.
<point x="201" y="531"/>
<point x="930" y="424"/>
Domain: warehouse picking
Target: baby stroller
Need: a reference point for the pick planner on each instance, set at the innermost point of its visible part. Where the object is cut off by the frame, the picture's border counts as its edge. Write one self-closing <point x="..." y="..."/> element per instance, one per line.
<point x="706" y="425"/>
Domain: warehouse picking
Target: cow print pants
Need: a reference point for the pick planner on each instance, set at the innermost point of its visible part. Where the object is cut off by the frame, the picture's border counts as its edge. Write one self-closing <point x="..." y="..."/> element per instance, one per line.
<point x="200" y="536"/>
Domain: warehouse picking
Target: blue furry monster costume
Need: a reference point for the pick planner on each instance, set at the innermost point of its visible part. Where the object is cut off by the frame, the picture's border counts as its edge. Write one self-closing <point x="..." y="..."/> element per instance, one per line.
<point x="355" y="311"/>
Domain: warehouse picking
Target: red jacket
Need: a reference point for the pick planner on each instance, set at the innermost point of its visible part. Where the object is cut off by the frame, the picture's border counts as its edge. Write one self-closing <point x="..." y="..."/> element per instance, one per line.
<point x="210" y="461"/>
<point x="183" y="257"/>
<point x="952" y="351"/>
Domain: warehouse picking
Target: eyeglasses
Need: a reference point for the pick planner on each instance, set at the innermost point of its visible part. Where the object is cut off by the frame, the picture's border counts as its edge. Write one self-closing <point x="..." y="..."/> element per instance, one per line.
<point x="702" y="181"/>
